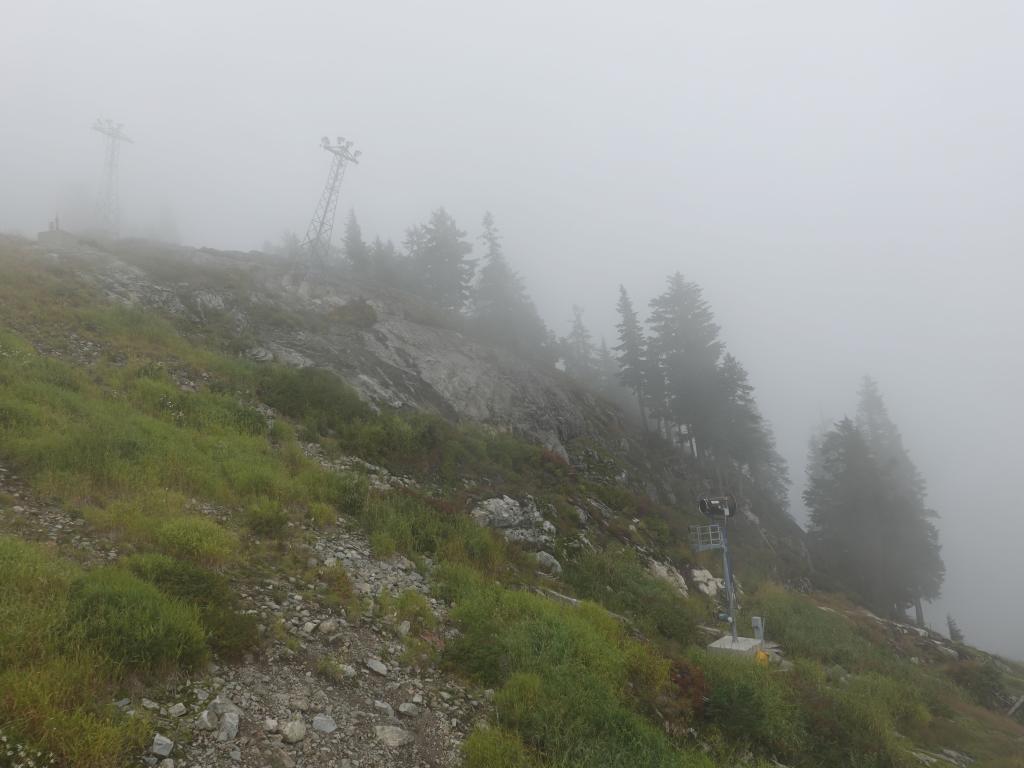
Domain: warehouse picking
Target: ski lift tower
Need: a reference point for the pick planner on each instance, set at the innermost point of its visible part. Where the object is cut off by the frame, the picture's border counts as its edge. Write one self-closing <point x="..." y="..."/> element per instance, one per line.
<point x="108" y="204"/>
<point x="318" y="235"/>
<point x="713" y="536"/>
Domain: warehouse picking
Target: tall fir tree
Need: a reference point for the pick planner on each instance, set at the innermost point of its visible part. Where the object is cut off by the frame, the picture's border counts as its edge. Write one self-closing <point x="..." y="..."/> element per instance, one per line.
<point x="355" y="248"/>
<point x="631" y="352"/>
<point x="502" y="309"/>
<point x="685" y="348"/>
<point x="870" y="525"/>
<point x="921" y="570"/>
<point x="440" y="254"/>
<point x="578" y="350"/>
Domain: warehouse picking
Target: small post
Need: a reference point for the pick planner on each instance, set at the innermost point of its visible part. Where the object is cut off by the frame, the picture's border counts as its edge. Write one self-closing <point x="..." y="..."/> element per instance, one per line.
<point x="728" y="576"/>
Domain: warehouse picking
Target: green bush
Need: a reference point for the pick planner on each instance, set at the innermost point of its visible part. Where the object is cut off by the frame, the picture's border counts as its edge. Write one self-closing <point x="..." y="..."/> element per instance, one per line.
<point x="855" y="724"/>
<point x="313" y="396"/>
<point x="133" y="623"/>
<point x="572" y="684"/>
<point x="401" y="522"/>
<point x="807" y="631"/>
<point x="230" y="632"/>
<point x="618" y="580"/>
<point x="266" y="517"/>
<point x="495" y="748"/>
<point x="196" y="538"/>
<point x="751" y="703"/>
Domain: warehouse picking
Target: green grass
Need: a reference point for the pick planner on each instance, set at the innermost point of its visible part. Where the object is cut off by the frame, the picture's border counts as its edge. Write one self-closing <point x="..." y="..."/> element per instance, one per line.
<point x="808" y="631"/>
<point x="54" y="682"/>
<point x="572" y="686"/>
<point x="406" y="523"/>
<point x="616" y="578"/>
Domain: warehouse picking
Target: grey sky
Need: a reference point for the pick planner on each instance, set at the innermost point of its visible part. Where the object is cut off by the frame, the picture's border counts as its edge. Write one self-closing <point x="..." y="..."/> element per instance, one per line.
<point x="844" y="179"/>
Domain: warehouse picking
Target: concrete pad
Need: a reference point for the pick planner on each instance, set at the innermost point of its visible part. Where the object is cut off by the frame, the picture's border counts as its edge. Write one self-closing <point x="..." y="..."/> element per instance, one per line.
<point x="741" y="646"/>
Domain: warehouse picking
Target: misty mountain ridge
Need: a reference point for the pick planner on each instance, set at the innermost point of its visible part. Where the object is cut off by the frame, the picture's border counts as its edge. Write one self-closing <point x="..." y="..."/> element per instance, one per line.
<point x="403" y="539"/>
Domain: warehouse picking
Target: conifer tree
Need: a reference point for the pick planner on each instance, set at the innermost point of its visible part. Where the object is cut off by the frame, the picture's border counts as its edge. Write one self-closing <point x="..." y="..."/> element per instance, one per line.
<point x="501" y="307"/>
<point x="440" y="254"/>
<point x="955" y="633"/>
<point x="684" y="343"/>
<point x="870" y="526"/>
<point x="578" y="351"/>
<point x="355" y="249"/>
<point x="631" y="352"/>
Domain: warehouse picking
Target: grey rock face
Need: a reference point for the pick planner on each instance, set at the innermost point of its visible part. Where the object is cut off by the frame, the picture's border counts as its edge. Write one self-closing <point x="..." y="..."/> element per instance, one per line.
<point x="548" y="563"/>
<point x="521" y="522"/>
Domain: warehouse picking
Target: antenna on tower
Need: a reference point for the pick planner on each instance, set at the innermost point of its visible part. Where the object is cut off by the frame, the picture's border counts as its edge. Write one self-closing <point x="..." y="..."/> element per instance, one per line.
<point x="318" y="235"/>
<point x="107" y="204"/>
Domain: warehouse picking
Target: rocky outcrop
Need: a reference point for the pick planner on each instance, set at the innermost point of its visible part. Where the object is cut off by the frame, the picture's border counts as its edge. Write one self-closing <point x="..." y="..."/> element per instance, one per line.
<point x="521" y="522"/>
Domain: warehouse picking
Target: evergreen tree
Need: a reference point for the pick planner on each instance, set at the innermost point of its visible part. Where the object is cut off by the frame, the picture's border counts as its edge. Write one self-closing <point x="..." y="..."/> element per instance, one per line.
<point x="847" y="531"/>
<point x="919" y="562"/>
<point x="440" y="254"/>
<point x="501" y="307"/>
<point x="607" y="372"/>
<point x="384" y="261"/>
<point x="355" y="249"/>
<point x="578" y="351"/>
<point x="631" y="352"/>
<point x="684" y="343"/>
<point x="870" y="527"/>
<point x="955" y="633"/>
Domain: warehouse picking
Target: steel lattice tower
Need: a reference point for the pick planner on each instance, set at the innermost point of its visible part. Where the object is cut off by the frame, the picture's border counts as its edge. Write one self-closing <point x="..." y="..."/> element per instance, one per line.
<point x="318" y="235"/>
<point x="108" y="206"/>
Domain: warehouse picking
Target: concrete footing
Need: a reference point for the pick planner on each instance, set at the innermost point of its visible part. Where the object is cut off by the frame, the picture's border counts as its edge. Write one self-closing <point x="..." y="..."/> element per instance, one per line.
<point x="741" y="646"/>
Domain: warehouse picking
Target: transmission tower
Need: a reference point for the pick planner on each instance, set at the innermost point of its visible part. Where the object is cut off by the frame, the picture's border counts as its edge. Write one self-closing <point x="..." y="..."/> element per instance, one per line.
<point x="107" y="205"/>
<point x="318" y="236"/>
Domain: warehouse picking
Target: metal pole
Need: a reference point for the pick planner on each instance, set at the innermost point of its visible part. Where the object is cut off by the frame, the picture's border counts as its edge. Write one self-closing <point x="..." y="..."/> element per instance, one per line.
<point x="728" y="577"/>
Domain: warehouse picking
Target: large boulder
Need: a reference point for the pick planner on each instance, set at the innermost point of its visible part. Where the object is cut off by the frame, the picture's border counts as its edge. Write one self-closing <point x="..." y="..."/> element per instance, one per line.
<point x="521" y="522"/>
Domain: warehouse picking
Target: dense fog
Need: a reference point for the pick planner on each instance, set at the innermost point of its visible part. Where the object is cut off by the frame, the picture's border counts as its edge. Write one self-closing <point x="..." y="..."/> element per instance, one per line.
<point x="843" y="180"/>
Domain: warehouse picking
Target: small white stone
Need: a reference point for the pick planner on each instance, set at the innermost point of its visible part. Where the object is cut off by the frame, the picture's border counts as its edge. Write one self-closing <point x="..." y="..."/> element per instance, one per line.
<point x="270" y="725"/>
<point x="409" y="709"/>
<point x="384" y="707"/>
<point x="375" y="665"/>
<point x="177" y="710"/>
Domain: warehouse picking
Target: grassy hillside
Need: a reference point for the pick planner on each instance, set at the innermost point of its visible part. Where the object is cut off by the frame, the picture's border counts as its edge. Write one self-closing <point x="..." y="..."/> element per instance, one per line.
<point x="203" y="473"/>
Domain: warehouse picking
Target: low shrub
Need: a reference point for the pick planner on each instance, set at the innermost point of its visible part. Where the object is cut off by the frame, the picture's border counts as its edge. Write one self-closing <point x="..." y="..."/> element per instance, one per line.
<point x="196" y="538"/>
<point x="266" y="517"/>
<point x="807" y="631"/>
<point x="489" y="747"/>
<point x="572" y="683"/>
<point x="750" y="703"/>
<point x="133" y="623"/>
<point x="618" y="580"/>
<point x="230" y="632"/>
